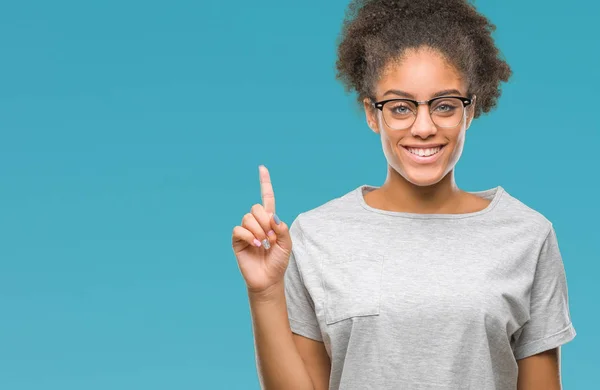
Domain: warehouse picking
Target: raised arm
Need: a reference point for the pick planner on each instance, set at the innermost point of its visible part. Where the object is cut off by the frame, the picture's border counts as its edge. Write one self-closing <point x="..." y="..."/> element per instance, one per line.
<point x="262" y="246"/>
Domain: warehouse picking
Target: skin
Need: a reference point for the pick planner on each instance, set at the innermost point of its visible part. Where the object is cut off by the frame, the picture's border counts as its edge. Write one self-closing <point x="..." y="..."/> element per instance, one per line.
<point x="412" y="187"/>
<point x="541" y="371"/>
<point x="287" y="360"/>
<point x="279" y="363"/>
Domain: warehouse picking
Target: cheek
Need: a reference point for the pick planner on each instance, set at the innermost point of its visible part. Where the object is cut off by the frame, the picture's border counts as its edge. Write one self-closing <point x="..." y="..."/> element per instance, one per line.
<point x="392" y="153"/>
<point x="389" y="145"/>
<point x="459" y="144"/>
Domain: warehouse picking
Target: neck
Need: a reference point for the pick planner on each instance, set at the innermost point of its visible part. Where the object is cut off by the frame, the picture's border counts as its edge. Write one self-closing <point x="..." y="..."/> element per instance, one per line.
<point x="398" y="194"/>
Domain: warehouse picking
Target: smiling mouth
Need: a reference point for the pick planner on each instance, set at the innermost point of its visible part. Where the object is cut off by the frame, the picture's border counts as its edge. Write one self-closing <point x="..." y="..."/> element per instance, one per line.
<point x="424" y="152"/>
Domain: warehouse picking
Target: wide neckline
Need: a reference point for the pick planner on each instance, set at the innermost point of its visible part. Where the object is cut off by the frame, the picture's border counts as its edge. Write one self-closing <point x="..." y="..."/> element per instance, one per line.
<point x="493" y="194"/>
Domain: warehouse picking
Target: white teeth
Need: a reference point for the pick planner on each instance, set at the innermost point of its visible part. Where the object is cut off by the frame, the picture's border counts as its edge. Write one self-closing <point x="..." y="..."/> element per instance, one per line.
<point x="424" y="152"/>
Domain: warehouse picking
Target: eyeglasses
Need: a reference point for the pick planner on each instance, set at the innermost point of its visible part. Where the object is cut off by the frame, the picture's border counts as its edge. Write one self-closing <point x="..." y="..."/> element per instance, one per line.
<point x="445" y="111"/>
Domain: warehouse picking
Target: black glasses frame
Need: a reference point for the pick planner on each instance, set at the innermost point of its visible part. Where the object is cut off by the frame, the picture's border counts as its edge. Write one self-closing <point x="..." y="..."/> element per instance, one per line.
<point x="379" y="105"/>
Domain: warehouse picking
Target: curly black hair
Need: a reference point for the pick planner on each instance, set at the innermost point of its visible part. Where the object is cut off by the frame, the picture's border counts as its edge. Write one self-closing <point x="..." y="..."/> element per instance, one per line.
<point x="377" y="31"/>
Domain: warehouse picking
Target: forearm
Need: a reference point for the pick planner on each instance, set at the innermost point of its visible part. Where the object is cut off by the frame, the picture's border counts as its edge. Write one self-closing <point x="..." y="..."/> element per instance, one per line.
<point x="278" y="361"/>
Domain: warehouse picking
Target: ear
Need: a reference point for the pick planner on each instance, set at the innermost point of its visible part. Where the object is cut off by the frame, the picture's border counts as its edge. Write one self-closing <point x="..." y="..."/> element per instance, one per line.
<point x="471" y="111"/>
<point x="371" y="115"/>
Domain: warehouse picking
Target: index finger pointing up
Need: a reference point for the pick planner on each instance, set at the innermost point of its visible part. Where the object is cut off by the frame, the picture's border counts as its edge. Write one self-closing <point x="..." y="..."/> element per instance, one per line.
<point x="266" y="189"/>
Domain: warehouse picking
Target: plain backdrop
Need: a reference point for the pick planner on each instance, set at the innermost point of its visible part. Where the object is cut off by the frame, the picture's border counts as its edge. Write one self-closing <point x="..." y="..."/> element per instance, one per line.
<point x="130" y="137"/>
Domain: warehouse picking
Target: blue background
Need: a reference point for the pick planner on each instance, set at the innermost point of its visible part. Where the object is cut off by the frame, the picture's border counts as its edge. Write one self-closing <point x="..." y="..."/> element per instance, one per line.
<point x="130" y="136"/>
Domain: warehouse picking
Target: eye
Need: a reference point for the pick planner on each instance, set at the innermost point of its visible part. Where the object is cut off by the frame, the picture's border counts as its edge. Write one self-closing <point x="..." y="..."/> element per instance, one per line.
<point x="446" y="106"/>
<point x="400" y="108"/>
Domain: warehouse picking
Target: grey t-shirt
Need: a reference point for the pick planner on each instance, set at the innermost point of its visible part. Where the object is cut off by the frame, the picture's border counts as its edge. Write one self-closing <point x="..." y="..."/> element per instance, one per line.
<point x="427" y="301"/>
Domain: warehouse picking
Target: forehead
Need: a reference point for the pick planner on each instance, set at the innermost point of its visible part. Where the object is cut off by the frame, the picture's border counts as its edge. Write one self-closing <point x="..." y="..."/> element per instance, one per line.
<point x="420" y="72"/>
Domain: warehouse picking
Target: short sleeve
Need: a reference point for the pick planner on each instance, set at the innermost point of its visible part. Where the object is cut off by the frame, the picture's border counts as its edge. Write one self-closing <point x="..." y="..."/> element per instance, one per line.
<point x="300" y="306"/>
<point x="549" y="325"/>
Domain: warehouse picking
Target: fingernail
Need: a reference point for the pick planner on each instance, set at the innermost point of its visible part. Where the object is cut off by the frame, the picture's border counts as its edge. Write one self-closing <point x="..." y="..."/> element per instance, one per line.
<point x="276" y="218"/>
<point x="270" y="233"/>
<point x="266" y="243"/>
<point x="256" y="242"/>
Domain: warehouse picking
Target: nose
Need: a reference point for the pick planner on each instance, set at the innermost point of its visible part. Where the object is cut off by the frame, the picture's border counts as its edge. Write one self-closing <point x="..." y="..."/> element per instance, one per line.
<point x="423" y="126"/>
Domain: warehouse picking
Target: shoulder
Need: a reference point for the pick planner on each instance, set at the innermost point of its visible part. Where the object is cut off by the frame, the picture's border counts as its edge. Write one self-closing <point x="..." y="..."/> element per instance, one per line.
<point x="331" y="213"/>
<point x="521" y="217"/>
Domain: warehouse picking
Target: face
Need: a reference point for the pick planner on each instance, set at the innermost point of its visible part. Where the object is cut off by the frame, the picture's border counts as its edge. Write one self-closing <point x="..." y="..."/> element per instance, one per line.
<point x="419" y="75"/>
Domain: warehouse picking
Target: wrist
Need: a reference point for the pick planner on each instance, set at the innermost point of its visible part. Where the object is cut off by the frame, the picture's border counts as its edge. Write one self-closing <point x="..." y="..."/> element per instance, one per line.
<point x="269" y="294"/>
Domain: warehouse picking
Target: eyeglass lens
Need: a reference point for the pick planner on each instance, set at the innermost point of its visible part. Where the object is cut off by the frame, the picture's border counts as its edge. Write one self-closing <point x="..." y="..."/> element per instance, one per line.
<point x="401" y="114"/>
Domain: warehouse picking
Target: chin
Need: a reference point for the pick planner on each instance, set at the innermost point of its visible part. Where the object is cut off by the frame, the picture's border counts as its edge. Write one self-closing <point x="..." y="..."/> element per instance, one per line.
<point x="421" y="177"/>
<point x="423" y="180"/>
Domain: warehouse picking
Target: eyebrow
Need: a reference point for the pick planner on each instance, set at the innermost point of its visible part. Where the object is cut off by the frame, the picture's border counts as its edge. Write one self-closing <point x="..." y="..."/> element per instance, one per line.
<point x="410" y="96"/>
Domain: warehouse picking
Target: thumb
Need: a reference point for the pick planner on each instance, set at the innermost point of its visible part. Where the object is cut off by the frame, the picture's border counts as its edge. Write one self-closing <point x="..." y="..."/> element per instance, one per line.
<point x="282" y="231"/>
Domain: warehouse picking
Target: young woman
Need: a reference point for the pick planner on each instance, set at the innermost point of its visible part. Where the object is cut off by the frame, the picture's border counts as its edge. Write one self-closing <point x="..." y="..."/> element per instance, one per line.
<point x="415" y="284"/>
